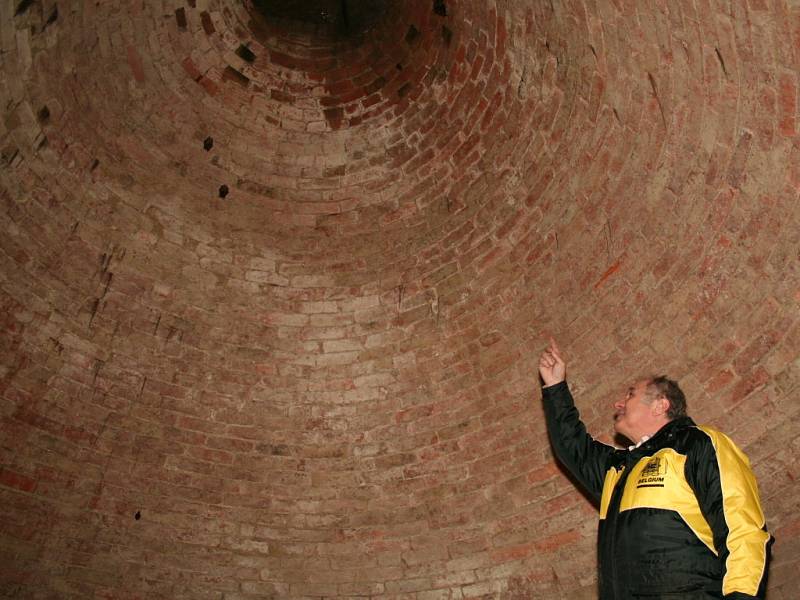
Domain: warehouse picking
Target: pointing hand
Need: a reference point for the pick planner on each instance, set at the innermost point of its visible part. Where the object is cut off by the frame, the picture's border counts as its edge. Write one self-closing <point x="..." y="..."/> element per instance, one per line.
<point x="552" y="367"/>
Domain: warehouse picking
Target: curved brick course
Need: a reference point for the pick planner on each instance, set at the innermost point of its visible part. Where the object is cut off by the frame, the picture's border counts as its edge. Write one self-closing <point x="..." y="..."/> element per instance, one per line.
<point x="273" y="291"/>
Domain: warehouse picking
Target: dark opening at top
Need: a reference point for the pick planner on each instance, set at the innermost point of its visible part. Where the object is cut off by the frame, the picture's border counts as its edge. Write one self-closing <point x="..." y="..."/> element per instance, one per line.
<point x="347" y="17"/>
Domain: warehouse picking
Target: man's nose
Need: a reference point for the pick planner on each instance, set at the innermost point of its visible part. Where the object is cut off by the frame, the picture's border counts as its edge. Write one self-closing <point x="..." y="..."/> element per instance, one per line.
<point x="619" y="404"/>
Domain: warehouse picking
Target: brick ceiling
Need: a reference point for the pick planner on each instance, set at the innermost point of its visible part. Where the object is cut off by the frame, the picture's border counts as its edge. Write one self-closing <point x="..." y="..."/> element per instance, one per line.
<point x="274" y="277"/>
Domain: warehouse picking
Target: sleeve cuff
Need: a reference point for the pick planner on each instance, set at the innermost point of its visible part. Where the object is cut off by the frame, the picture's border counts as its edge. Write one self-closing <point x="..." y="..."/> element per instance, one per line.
<point x="556" y="388"/>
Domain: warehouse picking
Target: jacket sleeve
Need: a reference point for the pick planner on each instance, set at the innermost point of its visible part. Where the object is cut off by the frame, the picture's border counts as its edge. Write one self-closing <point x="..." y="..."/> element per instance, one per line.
<point x="581" y="454"/>
<point x="726" y="489"/>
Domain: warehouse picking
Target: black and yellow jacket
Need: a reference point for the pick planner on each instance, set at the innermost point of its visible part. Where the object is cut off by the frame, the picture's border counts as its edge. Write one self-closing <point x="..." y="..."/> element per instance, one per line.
<point x="680" y="516"/>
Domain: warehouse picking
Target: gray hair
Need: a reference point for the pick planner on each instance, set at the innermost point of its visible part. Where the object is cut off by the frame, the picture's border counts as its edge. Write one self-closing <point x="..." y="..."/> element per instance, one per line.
<point x="662" y="387"/>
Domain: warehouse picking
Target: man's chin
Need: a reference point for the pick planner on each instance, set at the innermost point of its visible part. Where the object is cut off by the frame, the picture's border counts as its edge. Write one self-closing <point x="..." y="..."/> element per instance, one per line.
<point x="619" y="431"/>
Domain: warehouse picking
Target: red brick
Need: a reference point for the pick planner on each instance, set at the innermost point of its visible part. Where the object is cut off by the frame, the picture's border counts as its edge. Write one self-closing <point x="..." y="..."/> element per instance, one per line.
<point x="15" y="480"/>
<point x="135" y="63"/>
<point x="787" y="104"/>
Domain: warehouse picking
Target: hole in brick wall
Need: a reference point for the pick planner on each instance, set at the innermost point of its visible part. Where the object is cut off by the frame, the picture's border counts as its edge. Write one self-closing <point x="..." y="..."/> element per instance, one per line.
<point x="245" y="53"/>
<point x="208" y="143"/>
<point x="223" y="191"/>
<point x="22" y="7"/>
<point x="43" y="115"/>
<point x="180" y="17"/>
<point x="440" y="8"/>
<point x="95" y="164"/>
<point x="334" y="116"/>
<point x="281" y="96"/>
<point x="337" y="171"/>
<point x="447" y="35"/>
<point x="138" y="515"/>
<point x="53" y="17"/>
<point x="231" y="74"/>
<point x="413" y="34"/>
<point x="279" y="450"/>
<point x="404" y="89"/>
<point x="208" y="24"/>
<point x="344" y="17"/>
<point x="399" y="66"/>
<point x="8" y="154"/>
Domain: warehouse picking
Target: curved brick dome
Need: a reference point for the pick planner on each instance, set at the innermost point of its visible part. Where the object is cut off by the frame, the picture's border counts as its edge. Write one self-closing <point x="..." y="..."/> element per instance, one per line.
<point x="275" y="276"/>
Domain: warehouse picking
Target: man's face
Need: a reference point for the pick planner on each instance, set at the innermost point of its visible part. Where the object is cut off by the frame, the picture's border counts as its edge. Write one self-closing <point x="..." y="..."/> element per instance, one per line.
<point x="633" y="414"/>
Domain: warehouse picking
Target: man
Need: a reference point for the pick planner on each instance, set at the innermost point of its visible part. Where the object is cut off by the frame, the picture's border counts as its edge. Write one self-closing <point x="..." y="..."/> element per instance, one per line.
<point x="680" y="517"/>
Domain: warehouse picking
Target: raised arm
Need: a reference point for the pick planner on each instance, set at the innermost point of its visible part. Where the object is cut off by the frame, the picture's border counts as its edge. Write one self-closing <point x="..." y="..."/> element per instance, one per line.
<point x="580" y="453"/>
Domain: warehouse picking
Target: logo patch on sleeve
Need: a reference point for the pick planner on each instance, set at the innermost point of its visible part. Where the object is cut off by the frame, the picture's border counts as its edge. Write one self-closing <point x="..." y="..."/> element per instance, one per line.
<point x="653" y="473"/>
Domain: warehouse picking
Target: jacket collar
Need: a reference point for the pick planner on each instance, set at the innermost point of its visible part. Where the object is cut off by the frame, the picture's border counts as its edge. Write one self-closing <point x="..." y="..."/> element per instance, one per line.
<point x="666" y="433"/>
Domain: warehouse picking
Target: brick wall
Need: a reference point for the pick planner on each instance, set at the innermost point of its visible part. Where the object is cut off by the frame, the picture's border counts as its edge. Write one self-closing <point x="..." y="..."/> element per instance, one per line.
<point x="273" y="291"/>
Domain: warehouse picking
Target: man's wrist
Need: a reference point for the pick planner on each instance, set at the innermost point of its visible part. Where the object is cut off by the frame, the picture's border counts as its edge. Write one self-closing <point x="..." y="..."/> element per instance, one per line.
<point x="549" y="388"/>
<point x="546" y="385"/>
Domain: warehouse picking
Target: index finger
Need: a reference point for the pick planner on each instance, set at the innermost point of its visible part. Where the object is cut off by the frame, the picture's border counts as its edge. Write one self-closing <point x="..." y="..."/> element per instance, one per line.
<point x="554" y="348"/>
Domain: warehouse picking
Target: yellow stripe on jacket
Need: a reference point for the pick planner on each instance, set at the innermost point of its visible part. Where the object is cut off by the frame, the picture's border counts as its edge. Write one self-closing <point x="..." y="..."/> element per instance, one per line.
<point x="747" y="541"/>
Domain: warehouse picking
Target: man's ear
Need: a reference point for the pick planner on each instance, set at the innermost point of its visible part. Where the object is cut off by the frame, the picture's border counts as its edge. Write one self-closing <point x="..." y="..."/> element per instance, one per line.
<point x="661" y="406"/>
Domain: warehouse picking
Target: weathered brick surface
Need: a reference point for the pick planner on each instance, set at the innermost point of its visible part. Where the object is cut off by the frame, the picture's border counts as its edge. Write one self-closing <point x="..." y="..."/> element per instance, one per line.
<point x="323" y="384"/>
